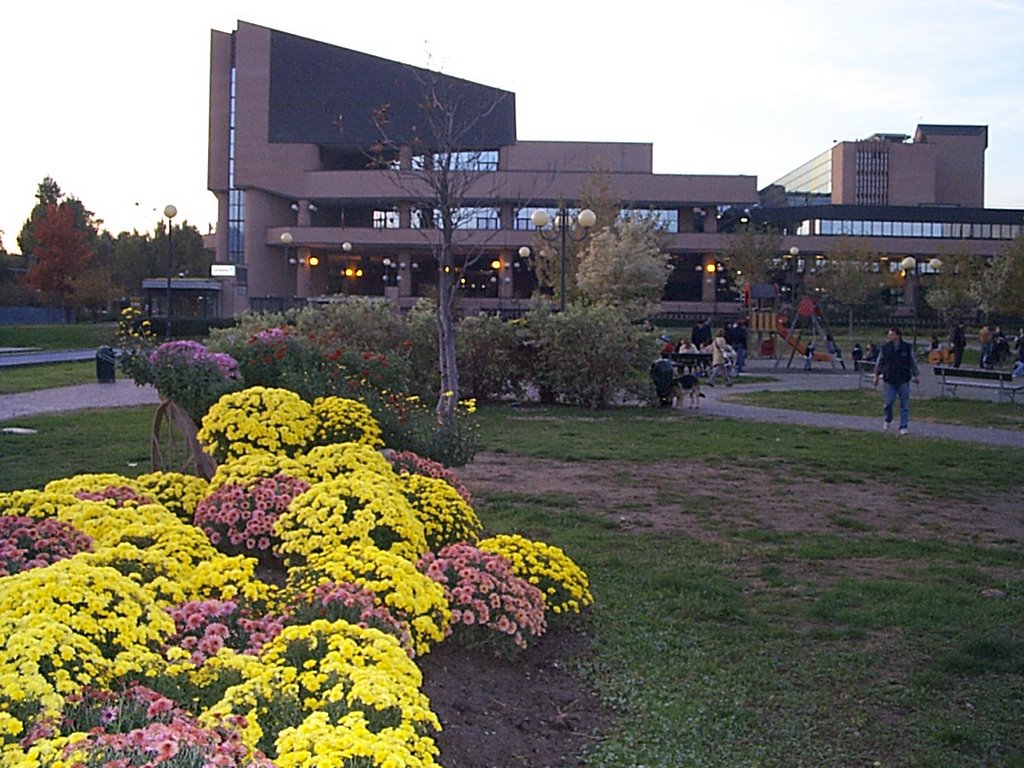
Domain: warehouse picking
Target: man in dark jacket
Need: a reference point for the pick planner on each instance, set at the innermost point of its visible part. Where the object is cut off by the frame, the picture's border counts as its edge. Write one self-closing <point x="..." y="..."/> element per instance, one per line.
<point x="897" y="367"/>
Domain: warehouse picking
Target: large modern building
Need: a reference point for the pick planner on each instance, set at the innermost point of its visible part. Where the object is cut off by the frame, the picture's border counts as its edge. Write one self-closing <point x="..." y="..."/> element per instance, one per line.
<point x="315" y="153"/>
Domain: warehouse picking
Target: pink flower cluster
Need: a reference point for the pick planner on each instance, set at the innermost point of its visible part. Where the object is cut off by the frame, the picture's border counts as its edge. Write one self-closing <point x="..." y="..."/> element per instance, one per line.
<point x="483" y="593"/>
<point x="414" y="464"/>
<point x="270" y="336"/>
<point x="121" y="495"/>
<point x="140" y="727"/>
<point x="29" y="543"/>
<point x="168" y="735"/>
<point x="239" y="519"/>
<point x="205" y="626"/>
<point x="349" y="602"/>
<point x="188" y="353"/>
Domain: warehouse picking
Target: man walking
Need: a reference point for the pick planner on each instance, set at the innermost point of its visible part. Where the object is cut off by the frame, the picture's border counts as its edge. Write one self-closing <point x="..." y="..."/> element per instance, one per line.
<point x="897" y="367"/>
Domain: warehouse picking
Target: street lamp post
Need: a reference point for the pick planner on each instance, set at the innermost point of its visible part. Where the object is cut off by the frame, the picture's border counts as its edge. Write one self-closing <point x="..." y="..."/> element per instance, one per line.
<point x="170" y="212"/>
<point x="909" y="266"/>
<point x="560" y="229"/>
<point x="286" y="241"/>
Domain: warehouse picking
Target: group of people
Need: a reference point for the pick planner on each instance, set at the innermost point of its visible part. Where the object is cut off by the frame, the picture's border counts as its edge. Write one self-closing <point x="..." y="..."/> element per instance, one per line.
<point x="727" y="347"/>
<point x="995" y="348"/>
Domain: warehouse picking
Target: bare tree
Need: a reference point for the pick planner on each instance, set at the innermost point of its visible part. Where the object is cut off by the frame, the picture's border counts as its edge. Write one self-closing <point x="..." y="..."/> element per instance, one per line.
<point x="446" y="174"/>
<point x="751" y="255"/>
<point x="849" y="276"/>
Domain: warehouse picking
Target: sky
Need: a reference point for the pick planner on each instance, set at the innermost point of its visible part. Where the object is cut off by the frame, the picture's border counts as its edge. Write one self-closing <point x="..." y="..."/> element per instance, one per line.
<point x="111" y="100"/>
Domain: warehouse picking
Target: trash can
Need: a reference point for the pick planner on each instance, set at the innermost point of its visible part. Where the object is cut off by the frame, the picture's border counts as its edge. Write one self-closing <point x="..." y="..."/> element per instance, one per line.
<point x="105" y="362"/>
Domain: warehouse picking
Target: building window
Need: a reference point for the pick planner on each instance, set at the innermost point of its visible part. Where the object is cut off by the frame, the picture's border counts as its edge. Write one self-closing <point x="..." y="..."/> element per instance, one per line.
<point x="478" y="218"/>
<point x="385" y="219"/>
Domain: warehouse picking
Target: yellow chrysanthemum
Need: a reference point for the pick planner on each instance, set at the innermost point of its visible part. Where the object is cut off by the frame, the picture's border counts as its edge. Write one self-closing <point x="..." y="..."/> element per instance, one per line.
<point x="564" y="584"/>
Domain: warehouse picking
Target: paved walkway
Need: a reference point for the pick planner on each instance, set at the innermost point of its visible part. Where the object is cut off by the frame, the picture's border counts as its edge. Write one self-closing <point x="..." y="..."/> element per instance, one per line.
<point x="126" y="393"/>
<point x="120" y="393"/>
<point x="825" y="378"/>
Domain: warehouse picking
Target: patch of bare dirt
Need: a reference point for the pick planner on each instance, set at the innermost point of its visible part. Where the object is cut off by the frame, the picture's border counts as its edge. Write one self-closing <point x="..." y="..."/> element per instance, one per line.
<point x="686" y="497"/>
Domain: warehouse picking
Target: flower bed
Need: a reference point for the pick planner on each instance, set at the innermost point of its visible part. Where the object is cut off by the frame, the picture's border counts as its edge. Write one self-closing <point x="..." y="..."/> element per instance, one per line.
<point x="130" y="639"/>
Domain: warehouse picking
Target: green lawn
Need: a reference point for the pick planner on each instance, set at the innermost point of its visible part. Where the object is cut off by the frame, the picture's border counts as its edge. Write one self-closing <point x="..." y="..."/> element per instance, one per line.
<point x="746" y="645"/>
<point x="73" y="336"/>
<point x="27" y="378"/>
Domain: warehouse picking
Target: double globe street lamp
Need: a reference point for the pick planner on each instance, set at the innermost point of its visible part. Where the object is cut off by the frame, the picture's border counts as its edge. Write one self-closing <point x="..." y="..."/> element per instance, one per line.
<point x="560" y="227"/>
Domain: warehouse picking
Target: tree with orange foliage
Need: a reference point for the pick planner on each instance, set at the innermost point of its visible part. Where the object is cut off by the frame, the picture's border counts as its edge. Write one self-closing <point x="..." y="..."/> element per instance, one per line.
<point x="61" y="254"/>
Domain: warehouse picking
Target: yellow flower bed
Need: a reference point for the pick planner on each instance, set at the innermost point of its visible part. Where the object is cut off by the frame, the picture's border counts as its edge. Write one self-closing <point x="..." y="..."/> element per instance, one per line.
<point x="316" y="680"/>
<point x="564" y="584"/>
<point x="360" y="507"/>
<point x="412" y="597"/>
<point x="340" y="420"/>
<point x="178" y="492"/>
<point x="256" y="420"/>
<point x="446" y="517"/>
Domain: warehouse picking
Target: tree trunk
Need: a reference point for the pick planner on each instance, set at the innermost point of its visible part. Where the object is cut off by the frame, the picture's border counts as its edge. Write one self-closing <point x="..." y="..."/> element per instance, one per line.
<point x="448" y="397"/>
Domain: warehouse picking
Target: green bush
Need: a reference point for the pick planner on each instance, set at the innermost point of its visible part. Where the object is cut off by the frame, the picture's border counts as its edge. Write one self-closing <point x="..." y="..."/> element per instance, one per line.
<point x="492" y="361"/>
<point x="590" y="355"/>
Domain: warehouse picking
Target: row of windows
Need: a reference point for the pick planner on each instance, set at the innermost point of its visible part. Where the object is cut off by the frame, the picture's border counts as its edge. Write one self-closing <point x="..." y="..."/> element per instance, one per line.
<point x="490" y="218"/>
<point x="483" y="162"/>
<point x="935" y="229"/>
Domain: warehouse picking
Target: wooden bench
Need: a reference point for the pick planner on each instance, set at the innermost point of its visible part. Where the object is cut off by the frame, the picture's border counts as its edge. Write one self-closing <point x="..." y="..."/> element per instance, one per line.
<point x="982" y="378"/>
<point x="691" y="362"/>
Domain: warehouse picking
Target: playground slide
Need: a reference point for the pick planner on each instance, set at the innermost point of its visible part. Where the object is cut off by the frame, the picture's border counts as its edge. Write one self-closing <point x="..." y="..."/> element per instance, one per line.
<point x="782" y="329"/>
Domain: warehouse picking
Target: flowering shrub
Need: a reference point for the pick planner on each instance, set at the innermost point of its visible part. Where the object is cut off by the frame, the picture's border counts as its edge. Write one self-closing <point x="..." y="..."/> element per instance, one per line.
<point x="412" y="597"/>
<point x="414" y="464"/>
<point x="361" y="507"/>
<point x="28" y="543"/>
<point x="328" y="675"/>
<point x="155" y="575"/>
<point x="489" y="603"/>
<point x="30" y="502"/>
<point x="177" y="492"/>
<point x="190" y="375"/>
<point x="92" y="483"/>
<point x="446" y="517"/>
<point x="115" y="495"/>
<point x="340" y="420"/>
<point x="141" y="725"/>
<point x="256" y="420"/>
<point x="206" y="626"/>
<point x="326" y="462"/>
<point x="239" y="519"/>
<point x="76" y="624"/>
<point x="563" y="583"/>
<point x="348" y="602"/>
<point x="244" y="470"/>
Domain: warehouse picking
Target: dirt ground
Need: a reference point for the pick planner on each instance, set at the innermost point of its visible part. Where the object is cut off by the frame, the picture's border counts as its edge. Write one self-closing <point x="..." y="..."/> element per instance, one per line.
<point x="531" y="711"/>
